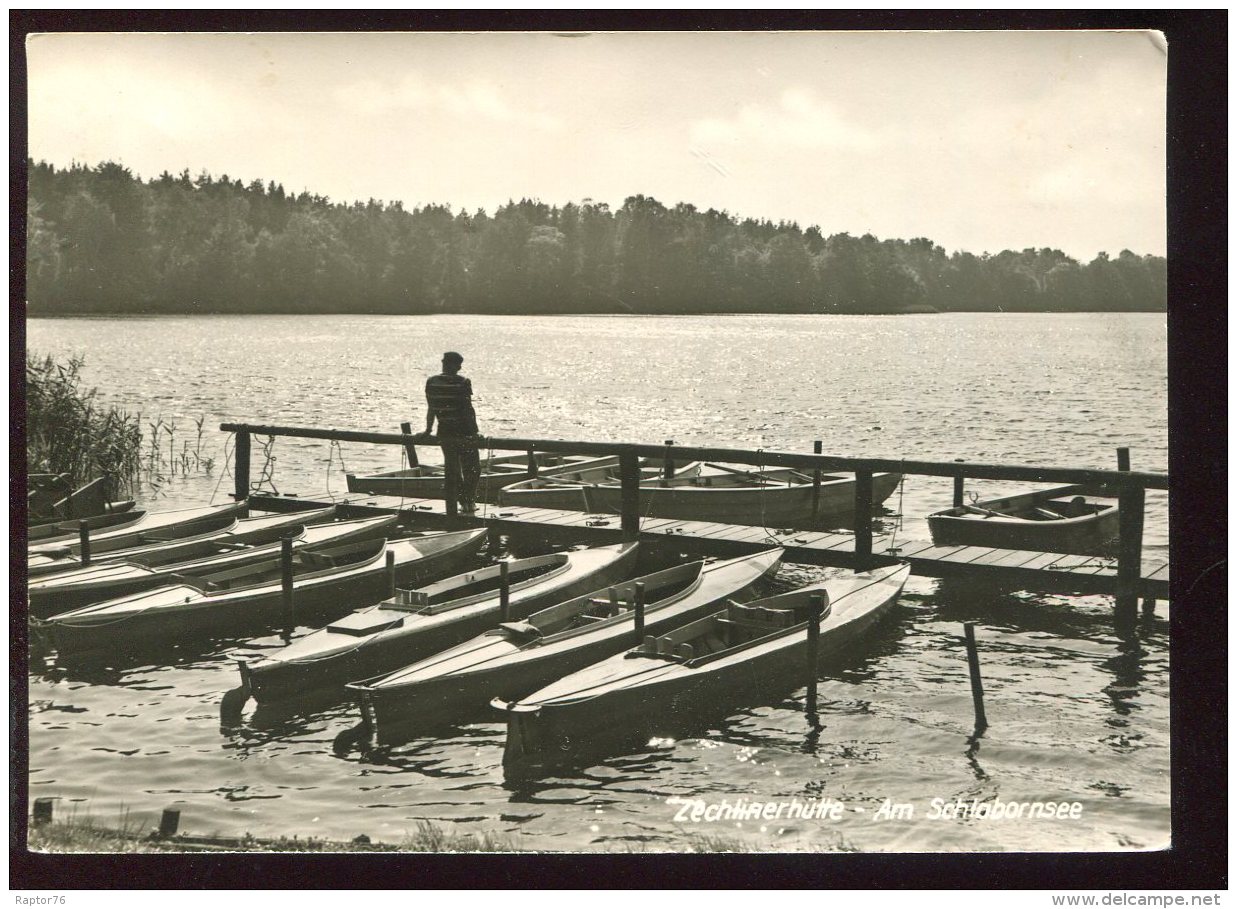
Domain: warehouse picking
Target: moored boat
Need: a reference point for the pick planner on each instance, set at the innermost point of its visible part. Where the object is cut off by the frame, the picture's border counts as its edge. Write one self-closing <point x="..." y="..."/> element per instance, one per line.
<point x="765" y="498"/>
<point x="516" y="658"/>
<point x="1084" y="520"/>
<point x="60" y="592"/>
<point x="125" y="515"/>
<point x="149" y="527"/>
<point x="425" y="481"/>
<point x="417" y="623"/>
<point x="743" y="653"/>
<point x="326" y="583"/>
<point x="245" y="532"/>
<point x="565" y="490"/>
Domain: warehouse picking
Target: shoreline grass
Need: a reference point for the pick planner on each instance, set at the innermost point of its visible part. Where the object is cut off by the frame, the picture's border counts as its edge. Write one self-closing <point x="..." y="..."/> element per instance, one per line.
<point x="86" y="837"/>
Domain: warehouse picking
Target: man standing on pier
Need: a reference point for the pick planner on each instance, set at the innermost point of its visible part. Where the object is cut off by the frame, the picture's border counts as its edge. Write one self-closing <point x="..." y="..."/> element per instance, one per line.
<point x="449" y="396"/>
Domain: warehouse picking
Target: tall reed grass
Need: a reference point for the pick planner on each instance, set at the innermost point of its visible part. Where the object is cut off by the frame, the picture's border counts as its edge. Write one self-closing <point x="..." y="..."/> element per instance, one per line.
<point x="68" y="431"/>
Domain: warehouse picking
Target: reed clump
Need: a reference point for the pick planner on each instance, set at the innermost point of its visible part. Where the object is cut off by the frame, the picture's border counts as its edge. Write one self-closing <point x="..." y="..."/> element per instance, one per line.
<point x="68" y="431"/>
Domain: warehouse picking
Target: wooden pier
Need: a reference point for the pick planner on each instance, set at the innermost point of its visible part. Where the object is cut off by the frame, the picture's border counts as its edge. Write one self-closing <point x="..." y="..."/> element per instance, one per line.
<point x="1128" y="578"/>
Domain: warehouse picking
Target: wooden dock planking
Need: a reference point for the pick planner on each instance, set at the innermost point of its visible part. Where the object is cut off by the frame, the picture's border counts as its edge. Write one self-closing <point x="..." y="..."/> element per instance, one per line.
<point x="1035" y="570"/>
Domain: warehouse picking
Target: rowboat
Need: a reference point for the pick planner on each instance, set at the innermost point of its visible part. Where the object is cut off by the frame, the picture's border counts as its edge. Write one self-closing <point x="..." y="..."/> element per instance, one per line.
<point x="326" y="583"/>
<point x="741" y="654"/>
<point x="417" y="623"/>
<point x="565" y="491"/>
<point x="243" y="533"/>
<point x="778" y="497"/>
<point x="1074" y="519"/>
<point x="426" y="480"/>
<point x="67" y="590"/>
<point x="517" y="658"/>
<point x="157" y="527"/>
<point x="53" y="499"/>
<point x="123" y="516"/>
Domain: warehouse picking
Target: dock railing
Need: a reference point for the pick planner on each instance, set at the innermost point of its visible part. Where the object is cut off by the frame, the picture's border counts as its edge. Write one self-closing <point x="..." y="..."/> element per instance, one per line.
<point x="1130" y="485"/>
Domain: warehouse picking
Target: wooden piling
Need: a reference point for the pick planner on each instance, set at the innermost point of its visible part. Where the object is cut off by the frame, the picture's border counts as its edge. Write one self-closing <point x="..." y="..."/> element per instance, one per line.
<point x="451" y="479"/>
<point x="169" y="823"/>
<point x="959" y="488"/>
<point x="390" y="574"/>
<point x="1132" y="501"/>
<point x="1148" y="607"/>
<point x="42" y="813"/>
<point x="815" y="611"/>
<point x="241" y="470"/>
<point x="977" y="684"/>
<point x="83" y="542"/>
<point x="533" y="467"/>
<point x="863" y="519"/>
<point x="629" y="470"/>
<point x="638" y="611"/>
<point x="817" y="447"/>
<point x="409" y="448"/>
<point x="285" y="564"/>
<point x="667" y="467"/>
<point x="504" y="591"/>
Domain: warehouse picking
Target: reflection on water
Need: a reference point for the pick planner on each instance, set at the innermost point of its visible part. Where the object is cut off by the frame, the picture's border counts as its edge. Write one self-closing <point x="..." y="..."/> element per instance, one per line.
<point x="1078" y="712"/>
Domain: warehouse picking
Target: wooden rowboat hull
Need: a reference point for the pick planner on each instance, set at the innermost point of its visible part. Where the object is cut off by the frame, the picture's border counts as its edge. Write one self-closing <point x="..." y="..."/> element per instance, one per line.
<point x="395" y="713"/>
<point x="339" y="659"/>
<point x="70" y="590"/>
<point x="148" y="528"/>
<point x="1094" y="533"/>
<point x="426" y="481"/>
<point x="323" y="596"/>
<point x="768" y="506"/>
<point x="545" y="732"/>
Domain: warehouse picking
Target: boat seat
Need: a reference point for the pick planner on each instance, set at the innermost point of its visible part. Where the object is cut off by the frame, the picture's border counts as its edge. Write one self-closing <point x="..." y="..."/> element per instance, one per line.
<point x="523" y="629"/>
<point x="317" y="561"/>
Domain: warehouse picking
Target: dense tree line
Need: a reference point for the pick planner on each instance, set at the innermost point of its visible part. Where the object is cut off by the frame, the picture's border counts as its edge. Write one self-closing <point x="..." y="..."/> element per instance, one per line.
<point x="100" y="240"/>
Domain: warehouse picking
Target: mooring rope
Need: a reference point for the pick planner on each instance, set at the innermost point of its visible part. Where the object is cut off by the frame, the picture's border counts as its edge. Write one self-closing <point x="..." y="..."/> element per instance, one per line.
<point x="330" y="459"/>
<point x="227" y="461"/>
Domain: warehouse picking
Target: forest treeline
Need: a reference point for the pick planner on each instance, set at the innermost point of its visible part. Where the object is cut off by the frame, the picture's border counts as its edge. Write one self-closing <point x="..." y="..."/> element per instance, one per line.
<point x="100" y="240"/>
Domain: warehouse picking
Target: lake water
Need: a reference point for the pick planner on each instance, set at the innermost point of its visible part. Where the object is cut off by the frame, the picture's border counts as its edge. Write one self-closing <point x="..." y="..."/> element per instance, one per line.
<point x="1077" y="712"/>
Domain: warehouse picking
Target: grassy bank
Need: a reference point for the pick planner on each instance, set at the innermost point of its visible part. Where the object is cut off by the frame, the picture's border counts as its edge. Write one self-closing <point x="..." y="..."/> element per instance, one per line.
<point x="87" y="837"/>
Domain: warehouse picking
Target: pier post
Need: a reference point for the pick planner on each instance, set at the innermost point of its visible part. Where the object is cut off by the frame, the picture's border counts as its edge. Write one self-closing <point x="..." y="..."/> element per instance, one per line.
<point x="533" y="469"/>
<point x="285" y="565"/>
<point x="1123" y="458"/>
<point x="638" y="611"/>
<point x="667" y="467"/>
<point x="83" y="542"/>
<point x="504" y="591"/>
<point x="863" y="519"/>
<point x="817" y="447"/>
<point x="629" y="469"/>
<point x="816" y="610"/>
<point x="959" y="488"/>
<point x="390" y="574"/>
<point x="42" y="811"/>
<point x="977" y="683"/>
<point x="409" y="448"/>
<point x="451" y="478"/>
<point x="1129" y="559"/>
<point x="169" y="823"/>
<point x="241" y="472"/>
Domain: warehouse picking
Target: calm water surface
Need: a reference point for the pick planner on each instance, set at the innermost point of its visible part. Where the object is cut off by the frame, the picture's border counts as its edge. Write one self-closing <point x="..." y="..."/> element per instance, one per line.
<point x="1078" y="713"/>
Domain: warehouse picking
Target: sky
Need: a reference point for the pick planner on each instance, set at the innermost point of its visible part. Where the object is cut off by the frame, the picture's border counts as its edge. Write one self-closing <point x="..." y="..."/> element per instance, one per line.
<point x="979" y="141"/>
